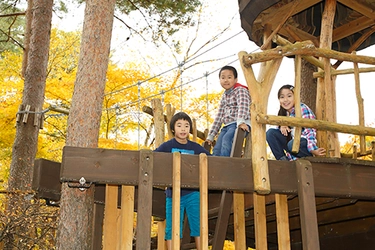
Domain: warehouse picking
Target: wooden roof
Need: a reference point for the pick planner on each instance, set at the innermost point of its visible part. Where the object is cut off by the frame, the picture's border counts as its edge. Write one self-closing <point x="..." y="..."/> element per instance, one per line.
<point x="301" y="20"/>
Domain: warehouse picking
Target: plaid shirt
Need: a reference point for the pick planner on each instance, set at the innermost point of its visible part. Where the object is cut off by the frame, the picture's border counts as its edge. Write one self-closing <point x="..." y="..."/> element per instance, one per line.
<point x="234" y="107"/>
<point x="308" y="133"/>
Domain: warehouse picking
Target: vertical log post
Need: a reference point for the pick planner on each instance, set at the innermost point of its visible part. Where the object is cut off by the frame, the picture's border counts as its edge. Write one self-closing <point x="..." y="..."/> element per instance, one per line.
<point x="259" y="92"/>
<point x="355" y="150"/>
<point x="170" y="112"/>
<point x="361" y="112"/>
<point x="297" y="102"/>
<point x="326" y="91"/>
<point x="157" y="110"/>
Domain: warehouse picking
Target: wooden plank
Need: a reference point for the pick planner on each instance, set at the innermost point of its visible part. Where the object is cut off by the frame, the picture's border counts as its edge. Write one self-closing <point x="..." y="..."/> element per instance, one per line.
<point x="222" y="220"/>
<point x="239" y="220"/>
<point x="110" y="218"/>
<point x="127" y="217"/>
<point x="260" y="222"/>
<point x="334" y="177"/>
<point x="46" y="179"/>
<point x="282" y="216"/>
<point x="203" y="189"/>
<point x="144" y="211"/>
<point x="161" y="236"/>
<point x="98" y="226"/>
<point x="176" y="200"/>
<point x="306" y="194"/>
<point x="237" y="145"/>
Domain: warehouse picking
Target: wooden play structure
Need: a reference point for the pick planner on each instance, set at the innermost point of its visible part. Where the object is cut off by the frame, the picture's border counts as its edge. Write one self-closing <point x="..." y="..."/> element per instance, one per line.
<point x="312" y="203"/>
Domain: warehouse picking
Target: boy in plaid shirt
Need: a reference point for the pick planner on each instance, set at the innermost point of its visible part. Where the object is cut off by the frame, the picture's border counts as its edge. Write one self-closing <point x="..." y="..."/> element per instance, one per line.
<point x="234" y="111"/>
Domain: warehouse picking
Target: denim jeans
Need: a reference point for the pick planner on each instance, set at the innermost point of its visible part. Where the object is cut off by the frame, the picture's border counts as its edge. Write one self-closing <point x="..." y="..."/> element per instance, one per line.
<point x="277" y="142"/>
<point x="224" y="142"/>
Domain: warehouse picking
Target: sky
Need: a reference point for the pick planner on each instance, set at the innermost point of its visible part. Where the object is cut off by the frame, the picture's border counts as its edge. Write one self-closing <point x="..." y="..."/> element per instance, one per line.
<point x="216" y="16"/>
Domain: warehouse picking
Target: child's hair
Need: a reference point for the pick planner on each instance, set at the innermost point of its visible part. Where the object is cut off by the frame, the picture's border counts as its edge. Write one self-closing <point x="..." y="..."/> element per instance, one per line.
<point x="180" y="116"/>
<point x="282" y="111"/>
<point x="233" y="69"/>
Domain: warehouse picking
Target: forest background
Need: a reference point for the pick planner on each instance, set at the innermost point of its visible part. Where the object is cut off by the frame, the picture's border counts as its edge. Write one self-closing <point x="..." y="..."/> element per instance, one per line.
<point x="181" y="69"/>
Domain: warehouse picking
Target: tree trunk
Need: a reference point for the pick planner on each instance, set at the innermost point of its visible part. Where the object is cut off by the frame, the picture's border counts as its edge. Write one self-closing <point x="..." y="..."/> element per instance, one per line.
<point x="26" y="141"/>
<point x="76" y="208"/>
<point x="308" y="85"/>
<point x="27" y="128"/>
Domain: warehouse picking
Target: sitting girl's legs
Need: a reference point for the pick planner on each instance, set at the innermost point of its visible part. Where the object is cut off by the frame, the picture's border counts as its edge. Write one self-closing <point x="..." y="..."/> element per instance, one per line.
<point x="277" y="142"/>
<point x="303" y="152"/>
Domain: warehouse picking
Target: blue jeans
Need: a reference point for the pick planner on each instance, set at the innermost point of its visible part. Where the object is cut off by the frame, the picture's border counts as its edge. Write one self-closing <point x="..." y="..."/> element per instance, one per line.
<point x="277" y="142"/>
<point x="224" y="142"/>
<point x="189" y="203"/>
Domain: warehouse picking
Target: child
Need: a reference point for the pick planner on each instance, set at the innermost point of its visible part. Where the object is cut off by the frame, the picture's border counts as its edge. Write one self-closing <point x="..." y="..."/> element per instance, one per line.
<point x="181" y="126"/>
<point x="280" y="139"/>
<point x="234" y="111"/>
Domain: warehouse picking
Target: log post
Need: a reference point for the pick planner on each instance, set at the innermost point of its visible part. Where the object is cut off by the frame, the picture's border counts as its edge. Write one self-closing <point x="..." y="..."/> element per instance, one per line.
<point x="157" y="109"/>
<point x="326" y="91"/>
<point x="259" y="92"/>
<point x="297" y="102"/>
<point x="361" y="112"/>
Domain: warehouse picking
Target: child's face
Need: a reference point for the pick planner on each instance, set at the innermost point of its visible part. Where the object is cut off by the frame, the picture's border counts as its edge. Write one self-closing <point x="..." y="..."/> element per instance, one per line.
<point x="227" y="79"/>
<point x="181" y="130"/>
<point x="286" y="99"/>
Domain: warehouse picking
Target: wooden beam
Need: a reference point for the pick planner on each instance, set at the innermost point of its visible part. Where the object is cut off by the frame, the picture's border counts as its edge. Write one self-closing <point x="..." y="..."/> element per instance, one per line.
<point x="351" y="28"/>
<point x="276" y="16"/>
<point x="359" y="7"/>
<point x="333" y="177"/>
<point x="318" y="124"/>
<point x="304" y="48"/>
<point x="344" y="72"/>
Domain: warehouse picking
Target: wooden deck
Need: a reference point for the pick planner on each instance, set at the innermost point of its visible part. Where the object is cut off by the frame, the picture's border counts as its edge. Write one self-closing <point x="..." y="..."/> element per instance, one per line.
<point x="343" y="189"/>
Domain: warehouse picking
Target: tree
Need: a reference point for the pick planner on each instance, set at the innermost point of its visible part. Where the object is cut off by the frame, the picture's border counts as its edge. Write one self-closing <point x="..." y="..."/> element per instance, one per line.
<point x="26" y="140"/>
<point x="25" y="144"/>
<point x="76" y="207"/>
